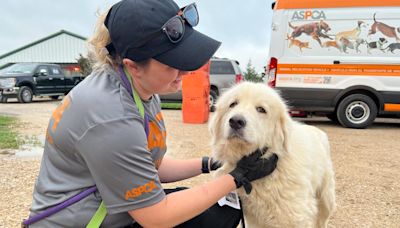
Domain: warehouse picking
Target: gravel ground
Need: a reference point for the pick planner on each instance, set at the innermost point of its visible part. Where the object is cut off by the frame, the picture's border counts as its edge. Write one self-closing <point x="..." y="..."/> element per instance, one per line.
<point x="367" y="165"/>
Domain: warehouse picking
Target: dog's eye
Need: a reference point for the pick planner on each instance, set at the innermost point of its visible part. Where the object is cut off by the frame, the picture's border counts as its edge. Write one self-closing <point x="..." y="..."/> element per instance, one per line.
<point x="233" y="104"/>
<point x="261" y="110"/>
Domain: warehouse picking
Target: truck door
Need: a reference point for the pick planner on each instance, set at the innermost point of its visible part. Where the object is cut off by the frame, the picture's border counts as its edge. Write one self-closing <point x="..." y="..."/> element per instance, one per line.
<point x="42" y="79"/>
<point x="58" y="79"/>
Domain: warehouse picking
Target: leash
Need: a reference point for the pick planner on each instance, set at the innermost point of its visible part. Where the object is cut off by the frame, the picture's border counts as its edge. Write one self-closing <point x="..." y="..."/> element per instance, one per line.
<point x="58" y="207"/>
<point x="101" y="212"/>
<point x="241" y="214"/>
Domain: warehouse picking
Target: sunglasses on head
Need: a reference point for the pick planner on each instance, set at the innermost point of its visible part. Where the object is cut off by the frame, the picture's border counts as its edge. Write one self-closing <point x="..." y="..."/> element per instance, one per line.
<point x="174" y="28"/>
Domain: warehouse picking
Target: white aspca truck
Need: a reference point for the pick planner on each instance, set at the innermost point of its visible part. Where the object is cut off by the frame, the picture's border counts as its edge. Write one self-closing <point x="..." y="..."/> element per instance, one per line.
<point x="341" y="59"/>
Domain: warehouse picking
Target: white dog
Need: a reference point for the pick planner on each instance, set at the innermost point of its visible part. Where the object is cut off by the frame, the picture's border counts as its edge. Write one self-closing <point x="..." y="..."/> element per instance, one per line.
<point x="301" y="190"/>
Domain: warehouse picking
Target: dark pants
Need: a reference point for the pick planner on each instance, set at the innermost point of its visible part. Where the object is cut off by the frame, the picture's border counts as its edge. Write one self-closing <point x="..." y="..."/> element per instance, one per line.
<point x="213" y="217"/>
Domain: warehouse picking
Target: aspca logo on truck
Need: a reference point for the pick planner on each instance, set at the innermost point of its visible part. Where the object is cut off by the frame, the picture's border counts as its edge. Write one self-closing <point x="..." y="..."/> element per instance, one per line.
<point x="308" y="14"/>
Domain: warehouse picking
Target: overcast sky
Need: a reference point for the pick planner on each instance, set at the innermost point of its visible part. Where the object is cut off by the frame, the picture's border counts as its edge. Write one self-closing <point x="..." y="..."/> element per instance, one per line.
<point x="243" y="27"/>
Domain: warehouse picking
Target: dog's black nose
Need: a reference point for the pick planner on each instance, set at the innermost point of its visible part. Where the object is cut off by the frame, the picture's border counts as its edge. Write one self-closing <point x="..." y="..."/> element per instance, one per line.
<point x="237" y="122"/>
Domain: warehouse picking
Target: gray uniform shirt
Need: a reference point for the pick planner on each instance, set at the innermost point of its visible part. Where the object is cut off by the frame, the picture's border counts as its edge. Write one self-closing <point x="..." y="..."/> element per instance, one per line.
<point x="96" y="137"/>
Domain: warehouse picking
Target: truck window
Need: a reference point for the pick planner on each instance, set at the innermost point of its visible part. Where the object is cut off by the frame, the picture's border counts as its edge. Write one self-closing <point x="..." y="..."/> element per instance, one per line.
<point x="221" y="67"/>
<point x="42" y="69"/>
<point x="54" y="70"/>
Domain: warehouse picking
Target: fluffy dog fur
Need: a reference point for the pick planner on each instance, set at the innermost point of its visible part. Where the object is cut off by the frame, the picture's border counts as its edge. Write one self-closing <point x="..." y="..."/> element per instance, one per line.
<point x="301" y="190"/>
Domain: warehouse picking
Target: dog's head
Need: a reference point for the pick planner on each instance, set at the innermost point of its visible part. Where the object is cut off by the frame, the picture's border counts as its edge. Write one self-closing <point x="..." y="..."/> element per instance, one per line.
<point x="362" y="24"/>
<point x="249" y="116"/>
<point x="382" y="40"/>
<point x="324" y="26"/>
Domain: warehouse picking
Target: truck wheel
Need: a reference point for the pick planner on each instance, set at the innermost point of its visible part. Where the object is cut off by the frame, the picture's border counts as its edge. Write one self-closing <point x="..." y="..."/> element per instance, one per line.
<point x="356" y="111"/>
<point x="25" y="95"/>
<point x="213" y="100"/>
<point x="54" y="97"/>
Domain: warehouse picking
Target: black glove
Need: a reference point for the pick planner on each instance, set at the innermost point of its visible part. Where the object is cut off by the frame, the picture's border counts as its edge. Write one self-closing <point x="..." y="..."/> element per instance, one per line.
<point x="208" y="164"/>
<point x="253" y="167"/>
<point x="214" y="165"/>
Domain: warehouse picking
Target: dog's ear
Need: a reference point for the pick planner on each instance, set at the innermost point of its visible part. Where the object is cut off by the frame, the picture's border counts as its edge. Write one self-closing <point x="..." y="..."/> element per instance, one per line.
<point x="215" y="121"/>
<point x="281" y="132"/>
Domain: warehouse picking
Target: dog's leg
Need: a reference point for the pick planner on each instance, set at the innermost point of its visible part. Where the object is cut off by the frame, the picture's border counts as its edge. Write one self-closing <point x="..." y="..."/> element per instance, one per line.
<point x="357" y="45"/>
<point x="345" y="48"/>
<point x="315" y="37"/>
<point x="373" y="29"/>
<point x="325" y="36"/>
<point x="326" y="205"/>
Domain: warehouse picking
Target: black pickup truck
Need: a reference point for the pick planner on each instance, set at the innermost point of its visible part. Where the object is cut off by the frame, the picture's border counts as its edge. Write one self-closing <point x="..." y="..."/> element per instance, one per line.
<point x="24" y="80"/>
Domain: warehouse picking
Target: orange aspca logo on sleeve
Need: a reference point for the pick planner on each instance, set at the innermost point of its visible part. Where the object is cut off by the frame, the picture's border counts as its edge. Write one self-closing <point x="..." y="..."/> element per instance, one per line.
<point x="136" y="192"/>
<point x="57" y="114"/>
<point x="157" y="136"/>
<point x="56" y="117"/>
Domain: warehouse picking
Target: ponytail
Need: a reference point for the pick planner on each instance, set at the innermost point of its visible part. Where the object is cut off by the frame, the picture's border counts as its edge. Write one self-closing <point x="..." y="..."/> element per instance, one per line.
<point x="98" y="53"/>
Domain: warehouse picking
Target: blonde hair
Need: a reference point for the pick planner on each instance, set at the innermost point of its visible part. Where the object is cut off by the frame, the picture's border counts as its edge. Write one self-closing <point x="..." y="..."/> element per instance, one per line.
<point x="98" y="53"/>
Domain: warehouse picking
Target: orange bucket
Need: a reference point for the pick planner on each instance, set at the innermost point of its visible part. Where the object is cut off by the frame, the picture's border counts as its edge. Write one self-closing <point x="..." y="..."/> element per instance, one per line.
<point x="195" y="95"/>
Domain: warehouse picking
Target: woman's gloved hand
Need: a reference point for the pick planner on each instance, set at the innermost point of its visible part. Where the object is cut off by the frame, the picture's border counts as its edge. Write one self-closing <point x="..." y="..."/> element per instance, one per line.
<point x="209" y="164"/>
<point x="253" y="167"/>
<point x="214" y="165"/>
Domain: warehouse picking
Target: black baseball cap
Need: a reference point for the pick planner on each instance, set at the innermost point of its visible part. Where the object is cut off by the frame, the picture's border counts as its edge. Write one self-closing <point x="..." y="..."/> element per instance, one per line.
<point x="131" y="22"/>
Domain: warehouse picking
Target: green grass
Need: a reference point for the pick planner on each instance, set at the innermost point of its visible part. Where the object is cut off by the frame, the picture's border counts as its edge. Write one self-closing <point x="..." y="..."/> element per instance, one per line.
<point x="8" y="137"/>
<point x="29" y="140"/>
<point x="167" y="105"/>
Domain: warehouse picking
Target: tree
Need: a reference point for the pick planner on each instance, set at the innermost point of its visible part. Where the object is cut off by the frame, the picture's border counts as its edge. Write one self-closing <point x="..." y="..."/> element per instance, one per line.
<point x="85" y="65"/>
<point x="251" y="74"/>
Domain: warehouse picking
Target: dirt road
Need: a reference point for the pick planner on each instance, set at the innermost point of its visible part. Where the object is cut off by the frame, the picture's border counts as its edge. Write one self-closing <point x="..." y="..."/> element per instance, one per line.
<point x="367" y="165"/>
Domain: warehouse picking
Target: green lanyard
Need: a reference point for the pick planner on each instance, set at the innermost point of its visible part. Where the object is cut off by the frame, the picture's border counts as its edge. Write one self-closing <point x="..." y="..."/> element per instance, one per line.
<point x="138" y="101"/>
<point x="101" y="212"/>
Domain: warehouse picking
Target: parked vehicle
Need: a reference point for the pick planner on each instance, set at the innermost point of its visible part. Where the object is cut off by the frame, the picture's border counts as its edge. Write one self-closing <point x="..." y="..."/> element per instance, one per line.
<point x="223" y="74"/>
<point x="24" y="80"/>
<point x="340" y="59"/>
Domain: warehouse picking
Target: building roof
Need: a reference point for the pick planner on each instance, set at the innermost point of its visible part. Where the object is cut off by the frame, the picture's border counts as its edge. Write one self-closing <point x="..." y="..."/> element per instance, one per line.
<point x="60" y="47"/>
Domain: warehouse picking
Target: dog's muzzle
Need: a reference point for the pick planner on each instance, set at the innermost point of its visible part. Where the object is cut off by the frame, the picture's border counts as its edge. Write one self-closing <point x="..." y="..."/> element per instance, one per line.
<point x="237" y="123"/>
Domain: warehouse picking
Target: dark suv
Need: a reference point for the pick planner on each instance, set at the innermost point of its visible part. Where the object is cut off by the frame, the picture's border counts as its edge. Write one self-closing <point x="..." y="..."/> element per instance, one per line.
<point x="23" y="80"/>
<point x="224" y="73"/>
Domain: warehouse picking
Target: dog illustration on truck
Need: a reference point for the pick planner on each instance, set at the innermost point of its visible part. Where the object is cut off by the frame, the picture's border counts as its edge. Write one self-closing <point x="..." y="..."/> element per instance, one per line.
<point x="339" y="59"/>
<point x="316" y="30"/>
<point x="348" y="39"/>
